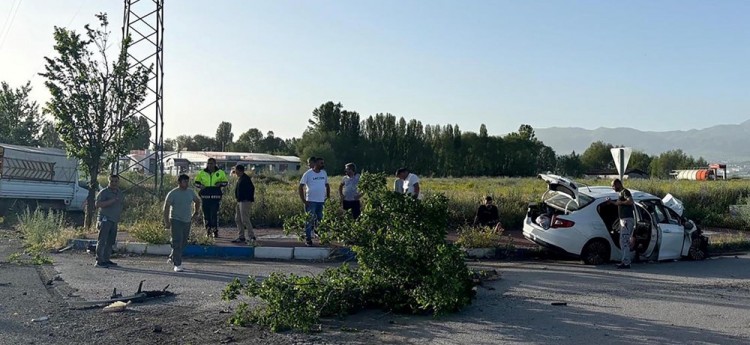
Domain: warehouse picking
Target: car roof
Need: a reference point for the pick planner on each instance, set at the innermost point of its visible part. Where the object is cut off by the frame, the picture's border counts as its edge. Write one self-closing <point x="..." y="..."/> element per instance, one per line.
<point x="598" y="192"/>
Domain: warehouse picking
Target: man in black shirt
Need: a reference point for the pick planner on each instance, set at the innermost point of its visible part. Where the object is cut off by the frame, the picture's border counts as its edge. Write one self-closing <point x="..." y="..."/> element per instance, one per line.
<point x="625" y="211"/>
<point x="245" y="194"/>
<point x="488" y="215"/>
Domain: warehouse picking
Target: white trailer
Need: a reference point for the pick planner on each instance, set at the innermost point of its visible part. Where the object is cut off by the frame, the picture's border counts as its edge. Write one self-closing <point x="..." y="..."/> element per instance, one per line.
<point x="44" y="176"/>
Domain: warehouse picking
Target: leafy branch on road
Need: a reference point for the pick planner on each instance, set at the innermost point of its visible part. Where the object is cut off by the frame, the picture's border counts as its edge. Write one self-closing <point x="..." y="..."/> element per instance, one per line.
<point x="403" y="265"/>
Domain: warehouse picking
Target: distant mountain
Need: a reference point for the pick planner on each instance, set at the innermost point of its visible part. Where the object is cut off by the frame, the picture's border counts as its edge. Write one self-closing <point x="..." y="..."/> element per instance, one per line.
<point x="722" y="143"/>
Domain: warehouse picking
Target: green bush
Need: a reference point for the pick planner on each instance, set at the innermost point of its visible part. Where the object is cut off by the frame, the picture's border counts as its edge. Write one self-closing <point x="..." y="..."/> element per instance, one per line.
<point x="403" y="265"/>
<point x="152" y="232"/>
<point x="477" y="237"/>
<point x="44" y="230"/>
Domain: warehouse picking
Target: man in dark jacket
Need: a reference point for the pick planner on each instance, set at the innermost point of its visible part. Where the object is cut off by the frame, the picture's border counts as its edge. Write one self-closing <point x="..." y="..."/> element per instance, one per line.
<point x="245" y="194"/>
<point x="488" y="215"/>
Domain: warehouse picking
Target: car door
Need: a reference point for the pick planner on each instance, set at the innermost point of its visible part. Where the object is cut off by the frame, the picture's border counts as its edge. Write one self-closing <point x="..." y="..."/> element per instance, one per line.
<point x="646" y="232"/>
<point x="671" y="232"/>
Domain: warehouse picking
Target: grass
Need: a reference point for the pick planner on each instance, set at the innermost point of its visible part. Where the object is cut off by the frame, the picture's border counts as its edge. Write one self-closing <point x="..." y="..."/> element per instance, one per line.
<point x="733" y="242"/>
<point x="44" y="231"/>
<point x="477" y="237"/>
<point x="277" y="199"/>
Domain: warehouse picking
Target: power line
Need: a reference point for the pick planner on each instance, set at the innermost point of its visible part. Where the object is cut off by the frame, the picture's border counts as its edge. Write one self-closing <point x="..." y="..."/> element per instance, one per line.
<point x="12" y="16"/>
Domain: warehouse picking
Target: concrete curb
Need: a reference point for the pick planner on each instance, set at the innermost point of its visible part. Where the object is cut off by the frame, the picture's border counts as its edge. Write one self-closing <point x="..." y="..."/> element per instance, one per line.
<point x="283" y="253"/>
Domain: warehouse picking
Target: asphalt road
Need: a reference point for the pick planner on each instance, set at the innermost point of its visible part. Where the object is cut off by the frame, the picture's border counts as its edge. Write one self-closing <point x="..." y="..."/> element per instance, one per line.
<point x="664" y="303"/>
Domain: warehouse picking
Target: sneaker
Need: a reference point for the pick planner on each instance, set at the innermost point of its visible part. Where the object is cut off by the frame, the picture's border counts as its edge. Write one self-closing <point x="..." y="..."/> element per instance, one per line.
<point x="110" y="263"/>
<point x="101" y="265"/>
<point x="238" y="240"/>
<point x="623" y="267"/>
<point x="309" y="243"/>
<point x="178" y="268"/>
<point x="251" y="242"/>
<point x="216" y="233"/>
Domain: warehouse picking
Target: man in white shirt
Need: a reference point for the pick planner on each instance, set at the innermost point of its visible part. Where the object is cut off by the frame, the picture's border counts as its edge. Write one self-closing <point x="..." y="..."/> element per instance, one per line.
<point x="349" y="192"/>
<point x="314" y="190"/>
<point x="409" y="182"/>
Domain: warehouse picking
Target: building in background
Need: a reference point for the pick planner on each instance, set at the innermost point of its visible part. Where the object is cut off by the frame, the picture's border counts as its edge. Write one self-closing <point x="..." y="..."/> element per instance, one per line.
<point x="187" y="162"/>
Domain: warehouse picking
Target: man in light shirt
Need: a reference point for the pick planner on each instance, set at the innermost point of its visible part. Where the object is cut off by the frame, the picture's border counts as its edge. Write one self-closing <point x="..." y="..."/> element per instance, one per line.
<point x="409" y="182"/>
<point x="314" y="190"/>
<point x="349" y="192"/>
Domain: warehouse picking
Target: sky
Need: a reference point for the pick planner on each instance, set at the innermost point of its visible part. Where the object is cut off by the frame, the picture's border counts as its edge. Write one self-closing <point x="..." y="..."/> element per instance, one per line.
<point x="650" y="65"/>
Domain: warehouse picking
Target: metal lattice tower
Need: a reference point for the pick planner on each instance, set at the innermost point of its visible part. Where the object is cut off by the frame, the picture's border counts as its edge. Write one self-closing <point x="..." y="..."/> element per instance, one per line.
<point x="143" y="20"/>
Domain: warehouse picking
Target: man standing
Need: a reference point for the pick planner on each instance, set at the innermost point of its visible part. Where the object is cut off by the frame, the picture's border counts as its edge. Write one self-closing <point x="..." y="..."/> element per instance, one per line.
<point x="210" y="181"/>
<point x="625" y="212"/>
<point x="409" y="182"/>
<point x="314" y="190"/>
<point x="244" y="192"/>
<point x="109" y="202"/>
<point x="178" y="215"/>
<point x="349" y="192"/>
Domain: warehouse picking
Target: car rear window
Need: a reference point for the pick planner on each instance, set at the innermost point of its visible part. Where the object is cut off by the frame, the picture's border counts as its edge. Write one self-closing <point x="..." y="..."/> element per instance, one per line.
<point x="561" y="200"/>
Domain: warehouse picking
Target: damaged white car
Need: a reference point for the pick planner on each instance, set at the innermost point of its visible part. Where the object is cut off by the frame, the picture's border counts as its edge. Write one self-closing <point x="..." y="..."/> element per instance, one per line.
<point x="579" y="221"/>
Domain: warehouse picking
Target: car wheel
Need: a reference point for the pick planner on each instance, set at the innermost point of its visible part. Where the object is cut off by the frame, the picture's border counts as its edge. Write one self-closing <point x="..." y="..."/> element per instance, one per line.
<point x="596" y="252"/>
<point x="698" y="248"/>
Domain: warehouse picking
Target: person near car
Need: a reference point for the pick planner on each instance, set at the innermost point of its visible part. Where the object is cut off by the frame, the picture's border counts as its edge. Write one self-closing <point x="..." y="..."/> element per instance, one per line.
<point x="625" y="211"/>
<point x="180" y="208"/>
<point x="488" y="215"/>
<point x="314" y="190"/>
<point x="209" y="182"/>
<point x="244" y="192"/>
<point x="409" y="183"/>
<point x="349" y="190"/>
<point x="110" y="204"/>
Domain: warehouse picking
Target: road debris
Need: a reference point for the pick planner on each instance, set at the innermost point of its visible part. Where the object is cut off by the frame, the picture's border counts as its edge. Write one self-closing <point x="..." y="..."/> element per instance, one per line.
<point x="40" y="319"/>
<point x="116" y="307"/>
<point x="138" y="297"/>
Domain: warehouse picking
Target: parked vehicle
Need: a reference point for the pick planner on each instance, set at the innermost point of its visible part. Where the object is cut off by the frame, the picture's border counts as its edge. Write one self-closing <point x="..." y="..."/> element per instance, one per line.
<point x="579" y="221"/>
<point x="44" y="177"/>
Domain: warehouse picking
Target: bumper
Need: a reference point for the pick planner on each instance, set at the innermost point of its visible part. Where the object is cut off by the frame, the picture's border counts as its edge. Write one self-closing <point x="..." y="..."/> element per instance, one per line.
<point x="545" y="238"/>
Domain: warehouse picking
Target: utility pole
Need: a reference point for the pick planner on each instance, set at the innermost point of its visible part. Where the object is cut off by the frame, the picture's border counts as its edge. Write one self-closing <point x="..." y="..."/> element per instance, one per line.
<point x="143" y="20"/>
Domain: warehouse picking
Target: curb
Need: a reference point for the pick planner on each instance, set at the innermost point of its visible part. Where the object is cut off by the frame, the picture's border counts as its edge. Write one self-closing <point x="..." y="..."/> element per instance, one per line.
<point x="284" y="253"/>
<point x="276" y="253"/>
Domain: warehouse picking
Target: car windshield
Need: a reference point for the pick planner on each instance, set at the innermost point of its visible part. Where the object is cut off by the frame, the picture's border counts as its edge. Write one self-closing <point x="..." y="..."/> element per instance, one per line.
<point x="563" y="201"/>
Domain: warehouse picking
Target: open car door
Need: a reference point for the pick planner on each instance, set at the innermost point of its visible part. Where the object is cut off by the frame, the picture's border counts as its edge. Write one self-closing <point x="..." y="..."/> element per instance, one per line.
<point x="646" y="232"/>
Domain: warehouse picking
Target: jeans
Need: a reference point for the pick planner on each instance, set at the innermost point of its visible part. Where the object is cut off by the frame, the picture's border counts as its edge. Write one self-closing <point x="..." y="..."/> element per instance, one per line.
<point x="106" y="241"/>
<point x="626" y="231"/>
<point x="315" y="212"/>
<point x="211" y="213"/>
<point x="180" y="235"/>
<point x="353" y="205"/>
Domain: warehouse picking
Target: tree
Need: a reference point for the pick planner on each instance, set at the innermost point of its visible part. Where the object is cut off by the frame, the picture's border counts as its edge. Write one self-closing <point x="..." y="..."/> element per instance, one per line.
<point x="249" y="141"/>
<point x="639" y="160"/>
<point x="598" y="156"/>
<point x="49" y="137"/>
<point x="142" y="137"/>
<point x="570" y="165"/>
<point x="170" y="145"/>
<point x="224" y="136"/>
<point x="93" y="103"/>
<point x="205" y="143"/>
<point x="185" y="143"/>
<point x="20" y="121"/>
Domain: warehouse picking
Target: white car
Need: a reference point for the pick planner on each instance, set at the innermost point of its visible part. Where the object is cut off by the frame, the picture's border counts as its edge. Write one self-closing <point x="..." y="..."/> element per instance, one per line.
<point x="579" y="221"/>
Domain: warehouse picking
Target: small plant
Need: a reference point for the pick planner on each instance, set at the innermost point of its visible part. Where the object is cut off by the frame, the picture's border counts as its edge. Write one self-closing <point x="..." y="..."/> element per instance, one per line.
<point x="198" y="236"/>
<point x="152" y="232"/>
<point x="45" y="230"/>
<point x="478" y="237"/>
<point x="15" y="258"/>
<point x="34" y="258"/>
